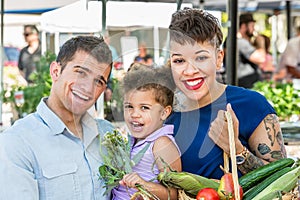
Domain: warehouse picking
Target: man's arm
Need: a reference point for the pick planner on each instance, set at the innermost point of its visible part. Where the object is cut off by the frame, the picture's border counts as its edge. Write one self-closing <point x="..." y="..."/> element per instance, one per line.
<point x="17" y="179"/>
<point x="293" y="71"/>
<point x="259" y="55"/>
<point x="20" y="64"/>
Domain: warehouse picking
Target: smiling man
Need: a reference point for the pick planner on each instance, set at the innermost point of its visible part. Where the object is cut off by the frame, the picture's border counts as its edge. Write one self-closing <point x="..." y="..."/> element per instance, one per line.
<point x="54" y="152"/>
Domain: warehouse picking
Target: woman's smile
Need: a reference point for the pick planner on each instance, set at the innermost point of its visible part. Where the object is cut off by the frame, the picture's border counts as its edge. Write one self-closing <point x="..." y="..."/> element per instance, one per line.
<point x="194" y="84"/>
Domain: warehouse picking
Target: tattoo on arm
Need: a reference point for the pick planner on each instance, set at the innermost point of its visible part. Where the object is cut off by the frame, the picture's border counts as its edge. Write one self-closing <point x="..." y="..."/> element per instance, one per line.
<point x="270" y="122"/>
<point x="264" y="149"/>
<point x="251" y="163"/>
<point x="274" y="136"/>
<point x="279" y="138"/>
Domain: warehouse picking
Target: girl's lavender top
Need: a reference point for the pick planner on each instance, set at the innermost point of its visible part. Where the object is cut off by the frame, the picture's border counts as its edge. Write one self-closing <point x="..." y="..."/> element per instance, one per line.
<point x="146" y="167"/>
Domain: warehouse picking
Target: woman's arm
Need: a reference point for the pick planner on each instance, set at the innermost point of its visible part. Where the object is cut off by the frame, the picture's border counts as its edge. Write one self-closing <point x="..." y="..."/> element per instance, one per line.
<point x="266" y="144"/>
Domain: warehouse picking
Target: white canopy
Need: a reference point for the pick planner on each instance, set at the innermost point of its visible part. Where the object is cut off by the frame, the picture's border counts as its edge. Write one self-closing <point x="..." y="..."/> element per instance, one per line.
<point x="21" y="6"/>
<point x="74" y="17"/>
<point x="79" y="17"/>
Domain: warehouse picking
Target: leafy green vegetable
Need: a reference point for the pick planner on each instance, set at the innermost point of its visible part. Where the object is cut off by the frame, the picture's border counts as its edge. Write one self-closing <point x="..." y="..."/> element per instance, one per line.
<point x="283" y="97"/>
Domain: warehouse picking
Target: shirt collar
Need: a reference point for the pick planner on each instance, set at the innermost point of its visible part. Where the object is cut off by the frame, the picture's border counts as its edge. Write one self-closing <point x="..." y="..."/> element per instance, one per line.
<point x="57" y="126"/>
<point x="50" y="118"/>
<point x="90" y="129"/>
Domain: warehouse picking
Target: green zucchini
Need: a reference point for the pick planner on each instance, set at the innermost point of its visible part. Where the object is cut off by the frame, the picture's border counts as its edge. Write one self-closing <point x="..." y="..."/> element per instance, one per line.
<point x="283" y="184"/>
<point x="250" y="194"/>
<point x="256" y="176"/>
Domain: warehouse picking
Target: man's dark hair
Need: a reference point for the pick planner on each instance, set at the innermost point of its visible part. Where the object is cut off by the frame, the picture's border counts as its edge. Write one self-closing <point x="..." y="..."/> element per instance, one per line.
<point x="195" y="25"/>
<point x="95" y="46"/>
<point x="246" y="18"/>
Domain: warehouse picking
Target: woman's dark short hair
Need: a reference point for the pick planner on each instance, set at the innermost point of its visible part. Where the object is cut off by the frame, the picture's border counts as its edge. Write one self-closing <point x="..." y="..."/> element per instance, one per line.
<point x="192" y="25"/>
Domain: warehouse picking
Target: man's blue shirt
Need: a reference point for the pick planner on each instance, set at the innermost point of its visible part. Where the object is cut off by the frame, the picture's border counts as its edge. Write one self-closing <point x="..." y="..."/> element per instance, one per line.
<point x="41" y="159"/>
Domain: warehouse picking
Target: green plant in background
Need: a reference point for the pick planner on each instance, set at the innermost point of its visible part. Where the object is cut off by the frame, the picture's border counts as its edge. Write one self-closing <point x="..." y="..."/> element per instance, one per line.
<point x="113" y="109"/>
<point x="33" y="92"/>
<point x="283" y="97"/>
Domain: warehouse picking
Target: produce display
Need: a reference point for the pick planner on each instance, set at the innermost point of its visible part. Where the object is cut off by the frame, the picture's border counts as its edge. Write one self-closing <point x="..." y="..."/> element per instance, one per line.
<point x="268" y="182"/>
<point x="274" y="91"/>
<point x="273" y="180"/>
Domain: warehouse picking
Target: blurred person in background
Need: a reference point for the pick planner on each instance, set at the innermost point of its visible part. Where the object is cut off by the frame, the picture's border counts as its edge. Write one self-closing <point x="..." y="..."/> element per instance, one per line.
<point x="289" y="64"/>
<point x="113" y="50"/>
<point x="30" y="54"/>
<point x="143" y="56"/>
<point x="109" y="89"/>
<point x="267" y="68"/>
<point x="249" y="56"/>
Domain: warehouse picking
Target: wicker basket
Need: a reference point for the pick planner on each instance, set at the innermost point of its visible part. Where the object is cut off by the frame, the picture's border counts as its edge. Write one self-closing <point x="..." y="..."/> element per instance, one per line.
<point x="183" y="196"/>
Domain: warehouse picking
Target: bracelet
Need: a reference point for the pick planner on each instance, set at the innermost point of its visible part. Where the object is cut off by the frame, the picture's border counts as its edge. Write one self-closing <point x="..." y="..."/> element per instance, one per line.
<point x="242" y="156"/>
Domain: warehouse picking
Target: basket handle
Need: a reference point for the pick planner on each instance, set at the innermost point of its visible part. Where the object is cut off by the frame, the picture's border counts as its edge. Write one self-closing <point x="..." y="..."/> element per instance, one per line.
<point x="232" y="156"/>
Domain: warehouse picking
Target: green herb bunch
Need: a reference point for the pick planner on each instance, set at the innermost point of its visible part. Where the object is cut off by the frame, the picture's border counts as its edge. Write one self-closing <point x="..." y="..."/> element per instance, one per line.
<point x="115" y="152"/>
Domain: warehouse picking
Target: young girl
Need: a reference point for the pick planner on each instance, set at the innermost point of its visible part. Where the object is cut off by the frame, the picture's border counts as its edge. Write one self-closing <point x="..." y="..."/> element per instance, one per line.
<point x="148" y="102"/>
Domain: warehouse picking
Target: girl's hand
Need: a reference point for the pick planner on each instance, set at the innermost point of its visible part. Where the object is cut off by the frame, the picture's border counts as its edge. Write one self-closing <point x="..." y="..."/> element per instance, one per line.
<point x="130" y="180"/>
<point x="219" y="133"/>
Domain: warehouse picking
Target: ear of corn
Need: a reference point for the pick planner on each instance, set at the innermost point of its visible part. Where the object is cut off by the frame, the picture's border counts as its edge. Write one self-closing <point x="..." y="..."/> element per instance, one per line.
<point x="285" y="183"/>
<point x="190" y="183"/>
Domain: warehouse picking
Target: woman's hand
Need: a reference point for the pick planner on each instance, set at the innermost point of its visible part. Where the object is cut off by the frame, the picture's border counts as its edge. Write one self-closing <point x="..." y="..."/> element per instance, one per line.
<point x="219" y="133"/>
<point x="265" y="143"/>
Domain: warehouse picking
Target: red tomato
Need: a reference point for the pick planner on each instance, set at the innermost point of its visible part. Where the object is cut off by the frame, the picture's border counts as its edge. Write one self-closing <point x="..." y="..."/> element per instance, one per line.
<point x="207" y="194"/>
